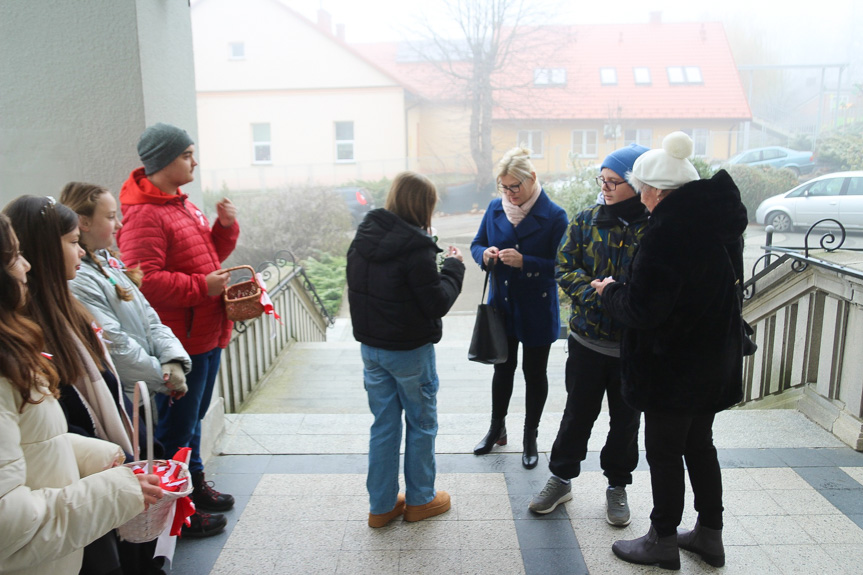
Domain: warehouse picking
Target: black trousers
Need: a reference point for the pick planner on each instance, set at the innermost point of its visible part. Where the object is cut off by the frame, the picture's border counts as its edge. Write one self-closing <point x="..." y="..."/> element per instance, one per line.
<point x="534" y="366"/>
<point x="589" y="376"/>
<point x="670" y="439"/>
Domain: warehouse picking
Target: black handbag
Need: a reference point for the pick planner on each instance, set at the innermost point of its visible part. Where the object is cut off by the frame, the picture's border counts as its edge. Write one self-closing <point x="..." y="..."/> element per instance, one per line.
<point x="488" y="344"/>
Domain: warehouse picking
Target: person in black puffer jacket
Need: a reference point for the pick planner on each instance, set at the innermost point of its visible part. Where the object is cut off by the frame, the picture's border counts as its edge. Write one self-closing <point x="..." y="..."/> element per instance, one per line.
<point x="682" y="347"/>
<point x="397" y="296"/>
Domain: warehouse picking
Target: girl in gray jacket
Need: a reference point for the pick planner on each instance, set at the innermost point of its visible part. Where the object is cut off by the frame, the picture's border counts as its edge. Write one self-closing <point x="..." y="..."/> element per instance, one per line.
<point x="142" y="348"/>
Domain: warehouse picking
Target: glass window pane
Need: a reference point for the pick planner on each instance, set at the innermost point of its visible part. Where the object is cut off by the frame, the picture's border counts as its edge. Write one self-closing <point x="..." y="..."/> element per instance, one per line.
<point x="237" y="50"/>
<point x="608" y="75"/>
<point x="345" y="151"/>
<point x="558" y="76"/>
<point x="262" y="153"/>
<point x="675" y="75"/>
<point x="693" y="74"/>
<point x="590" y="143"/>
<point x="642" y="75"/>
<point x="344" y="130"/>
<point x="855" y="187"/>
<point x="261" y="132"/>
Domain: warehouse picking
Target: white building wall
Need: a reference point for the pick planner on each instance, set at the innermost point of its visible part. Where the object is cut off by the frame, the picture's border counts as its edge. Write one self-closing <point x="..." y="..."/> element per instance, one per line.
<point x="80" y="81"/>
<point x="298" y="78"/>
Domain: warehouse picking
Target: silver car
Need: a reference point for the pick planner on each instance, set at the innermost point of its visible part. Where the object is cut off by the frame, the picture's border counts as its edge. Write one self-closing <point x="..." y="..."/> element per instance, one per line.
<point x="838" y="196"/>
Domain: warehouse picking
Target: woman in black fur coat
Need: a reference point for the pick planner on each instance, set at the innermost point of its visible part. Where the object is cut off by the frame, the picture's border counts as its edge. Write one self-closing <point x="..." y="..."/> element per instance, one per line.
<point x="682" y="348"/>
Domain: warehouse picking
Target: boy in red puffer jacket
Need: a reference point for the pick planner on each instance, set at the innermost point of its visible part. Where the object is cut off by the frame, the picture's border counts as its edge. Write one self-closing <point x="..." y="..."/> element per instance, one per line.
<point x="181" y="256"/>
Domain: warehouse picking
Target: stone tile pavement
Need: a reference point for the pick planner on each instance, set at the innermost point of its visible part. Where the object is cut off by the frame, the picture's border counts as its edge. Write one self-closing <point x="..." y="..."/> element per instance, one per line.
<point x="793" y="492"/>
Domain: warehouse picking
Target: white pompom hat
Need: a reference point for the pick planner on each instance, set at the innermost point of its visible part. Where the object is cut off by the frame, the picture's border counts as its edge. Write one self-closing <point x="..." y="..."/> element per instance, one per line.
<point x="665" y="168"/>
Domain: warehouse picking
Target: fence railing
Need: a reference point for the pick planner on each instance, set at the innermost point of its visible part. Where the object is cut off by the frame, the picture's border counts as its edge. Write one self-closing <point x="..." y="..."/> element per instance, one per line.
<point x="255" y="345"/>
<point x="807" y="312"/>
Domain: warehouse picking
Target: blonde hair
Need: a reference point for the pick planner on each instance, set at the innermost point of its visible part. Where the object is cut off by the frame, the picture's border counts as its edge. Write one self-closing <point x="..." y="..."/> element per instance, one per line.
<point x="412" y="197"/>
<point x="516" y="163"/>
<point x="82" y="199"/>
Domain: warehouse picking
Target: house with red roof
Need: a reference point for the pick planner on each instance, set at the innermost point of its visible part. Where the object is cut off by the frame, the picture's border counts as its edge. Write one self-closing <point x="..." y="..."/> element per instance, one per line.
<point x="585" y="92"/>
<point x="293" y="103"/>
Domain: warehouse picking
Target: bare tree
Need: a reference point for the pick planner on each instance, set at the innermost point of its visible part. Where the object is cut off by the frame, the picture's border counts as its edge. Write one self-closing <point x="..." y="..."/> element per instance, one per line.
<point x="478" y="43"/>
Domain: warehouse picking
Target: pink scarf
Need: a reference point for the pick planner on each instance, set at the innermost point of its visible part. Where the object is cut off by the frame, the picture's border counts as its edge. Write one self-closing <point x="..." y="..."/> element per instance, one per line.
<point x="516" y="213"/>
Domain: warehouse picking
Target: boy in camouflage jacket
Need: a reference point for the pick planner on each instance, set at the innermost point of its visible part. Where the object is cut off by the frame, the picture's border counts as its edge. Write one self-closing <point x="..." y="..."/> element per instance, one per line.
<point x="600" y="242"/>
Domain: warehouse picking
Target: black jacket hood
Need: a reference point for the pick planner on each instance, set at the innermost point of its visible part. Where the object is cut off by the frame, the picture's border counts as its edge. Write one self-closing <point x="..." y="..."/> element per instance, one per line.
<point x="383" y="235"/>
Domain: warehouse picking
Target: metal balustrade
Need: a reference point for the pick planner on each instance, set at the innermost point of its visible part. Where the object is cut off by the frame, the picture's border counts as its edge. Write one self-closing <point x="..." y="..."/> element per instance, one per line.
<point x="807" y="312"/>
<point x="256" y="344"/>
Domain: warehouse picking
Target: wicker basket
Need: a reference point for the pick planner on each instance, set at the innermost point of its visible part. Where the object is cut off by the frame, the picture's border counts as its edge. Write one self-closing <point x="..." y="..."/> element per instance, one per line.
<point x="243" y="300"/>
<point x="149" y="524"/>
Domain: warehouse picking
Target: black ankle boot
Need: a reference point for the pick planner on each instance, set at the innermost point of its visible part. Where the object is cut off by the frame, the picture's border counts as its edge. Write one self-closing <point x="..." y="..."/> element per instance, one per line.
<point x="530" y="457"/>
<point x="496" y="435"/>
<point x="704" y="541"/>
<point x="207" y="498"/>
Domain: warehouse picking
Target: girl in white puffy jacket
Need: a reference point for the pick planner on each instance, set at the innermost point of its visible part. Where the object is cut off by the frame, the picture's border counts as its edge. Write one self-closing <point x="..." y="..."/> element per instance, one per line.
<point x="58" y="491"/>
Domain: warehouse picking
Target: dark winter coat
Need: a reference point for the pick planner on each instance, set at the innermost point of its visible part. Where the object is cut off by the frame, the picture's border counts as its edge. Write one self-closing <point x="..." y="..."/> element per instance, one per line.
<point x="173" y="243"/>
<point x="600" y="242"/>
<point x="527" y="296"/>
<point x="682" y="348"/>
<point x="396" y="294"/>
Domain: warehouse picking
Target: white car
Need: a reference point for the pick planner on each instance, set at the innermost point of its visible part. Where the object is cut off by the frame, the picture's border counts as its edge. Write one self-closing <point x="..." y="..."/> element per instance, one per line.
<point x="838" y="196"/>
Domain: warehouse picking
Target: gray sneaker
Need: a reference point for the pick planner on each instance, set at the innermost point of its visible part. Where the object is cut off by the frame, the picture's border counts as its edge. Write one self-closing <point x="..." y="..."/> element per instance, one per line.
<point x="616" y="506"/>
<point x="553" y="494"/>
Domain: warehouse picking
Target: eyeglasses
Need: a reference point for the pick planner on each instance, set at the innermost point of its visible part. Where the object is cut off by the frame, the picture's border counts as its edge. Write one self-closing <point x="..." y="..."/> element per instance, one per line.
<point x="511" y="189"/>
<point x="611" y="185"/>
<point x="51" y="203"/>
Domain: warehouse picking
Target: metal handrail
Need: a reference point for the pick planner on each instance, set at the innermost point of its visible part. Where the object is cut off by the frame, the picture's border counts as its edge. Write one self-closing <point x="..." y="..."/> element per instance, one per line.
<point x="801" y="260"/>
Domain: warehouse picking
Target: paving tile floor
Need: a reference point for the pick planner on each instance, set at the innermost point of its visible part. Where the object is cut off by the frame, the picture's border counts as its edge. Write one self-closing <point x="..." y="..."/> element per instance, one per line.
<point x="307" y="514"/>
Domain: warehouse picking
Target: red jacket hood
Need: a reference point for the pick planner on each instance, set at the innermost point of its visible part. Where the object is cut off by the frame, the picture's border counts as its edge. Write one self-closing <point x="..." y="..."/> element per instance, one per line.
<point x="139" y="190"/>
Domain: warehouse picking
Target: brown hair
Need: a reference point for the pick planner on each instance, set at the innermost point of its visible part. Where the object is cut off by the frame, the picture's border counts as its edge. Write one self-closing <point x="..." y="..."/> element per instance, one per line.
<point x="82" y="199"/>
<point x="21" y="340"/>
<point x="412" y="197"/>
<point x="40" y="223"/>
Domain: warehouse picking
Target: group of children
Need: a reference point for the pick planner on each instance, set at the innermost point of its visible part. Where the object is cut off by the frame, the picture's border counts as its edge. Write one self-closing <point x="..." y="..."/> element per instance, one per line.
<point x="79" y="328"/>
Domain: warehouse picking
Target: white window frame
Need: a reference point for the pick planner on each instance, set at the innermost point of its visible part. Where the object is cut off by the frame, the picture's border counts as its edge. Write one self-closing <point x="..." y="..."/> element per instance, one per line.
<point x="529" y="140"/>
<point x="262" y="145"/>
<point x="701" y="141"/>
<point x="641" y="75"/>
<point x="581" y="143"/>
<point x="608" y="76"/>
<point x="643" y="137"/>
<point x="233" y="52"/>
<point x="345" y="143"/>
<point x="693" y="74"/>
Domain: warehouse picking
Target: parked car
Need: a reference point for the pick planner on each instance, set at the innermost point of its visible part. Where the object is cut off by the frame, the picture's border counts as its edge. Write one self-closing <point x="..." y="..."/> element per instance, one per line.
<point x="777" y="157"/>
<point x="358" y="201"/>
<point x="838" y="196"/>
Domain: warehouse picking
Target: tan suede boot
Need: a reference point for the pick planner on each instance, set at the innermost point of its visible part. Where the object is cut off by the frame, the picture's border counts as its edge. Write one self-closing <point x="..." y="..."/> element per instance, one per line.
<point x="381" y="519"/>
<point x="440" y="504"/>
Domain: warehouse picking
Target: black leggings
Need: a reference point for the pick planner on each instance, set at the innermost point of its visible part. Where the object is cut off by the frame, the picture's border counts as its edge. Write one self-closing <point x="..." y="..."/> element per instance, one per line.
<point x="534" y="366"/>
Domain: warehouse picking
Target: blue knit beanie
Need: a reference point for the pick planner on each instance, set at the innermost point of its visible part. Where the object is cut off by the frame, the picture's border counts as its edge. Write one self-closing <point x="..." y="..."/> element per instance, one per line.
<point x="621" y="160"/>
<point x="160" y="144"/>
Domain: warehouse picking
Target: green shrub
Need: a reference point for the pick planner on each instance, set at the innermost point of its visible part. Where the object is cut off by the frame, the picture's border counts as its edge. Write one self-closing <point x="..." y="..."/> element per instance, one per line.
<point x="304" y="220"/>
<point x="756" y="184"/>
<point x="843" y="149"/>
<point x="327" y="273"/>
<point x="579" y="192"/>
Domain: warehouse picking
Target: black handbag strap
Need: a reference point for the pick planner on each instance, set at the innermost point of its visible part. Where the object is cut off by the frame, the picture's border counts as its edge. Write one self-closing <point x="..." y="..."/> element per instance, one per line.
<point x="489" y="270"/>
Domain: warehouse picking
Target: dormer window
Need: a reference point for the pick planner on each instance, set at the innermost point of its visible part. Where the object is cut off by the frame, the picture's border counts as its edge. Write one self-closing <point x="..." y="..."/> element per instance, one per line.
<point x="608" y="76"/>
<point x="642" y="76"/>
<point x="684" y="75"/>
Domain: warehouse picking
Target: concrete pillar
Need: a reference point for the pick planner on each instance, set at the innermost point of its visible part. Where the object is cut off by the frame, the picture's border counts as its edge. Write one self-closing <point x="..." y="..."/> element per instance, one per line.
<point x="79" y="82"/>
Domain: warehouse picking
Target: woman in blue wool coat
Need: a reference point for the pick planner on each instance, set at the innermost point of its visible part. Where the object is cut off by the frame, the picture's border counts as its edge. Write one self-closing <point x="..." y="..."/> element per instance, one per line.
<point x="520" y="235"/>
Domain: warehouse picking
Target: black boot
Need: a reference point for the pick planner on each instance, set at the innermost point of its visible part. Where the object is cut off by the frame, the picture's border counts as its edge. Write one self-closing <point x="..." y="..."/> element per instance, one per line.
<point x="204" y="525"/>
<point x="530" y="457"/>
<point x="650" y="549"/>
<point x="496" y="435"/>
<point x="704" y="541"/>
<point x="206" y="498"/>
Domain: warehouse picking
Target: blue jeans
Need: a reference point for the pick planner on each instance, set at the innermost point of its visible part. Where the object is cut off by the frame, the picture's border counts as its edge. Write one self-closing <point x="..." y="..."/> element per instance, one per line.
<point x="396" y="381"/>
<point x="180" y="419"/>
